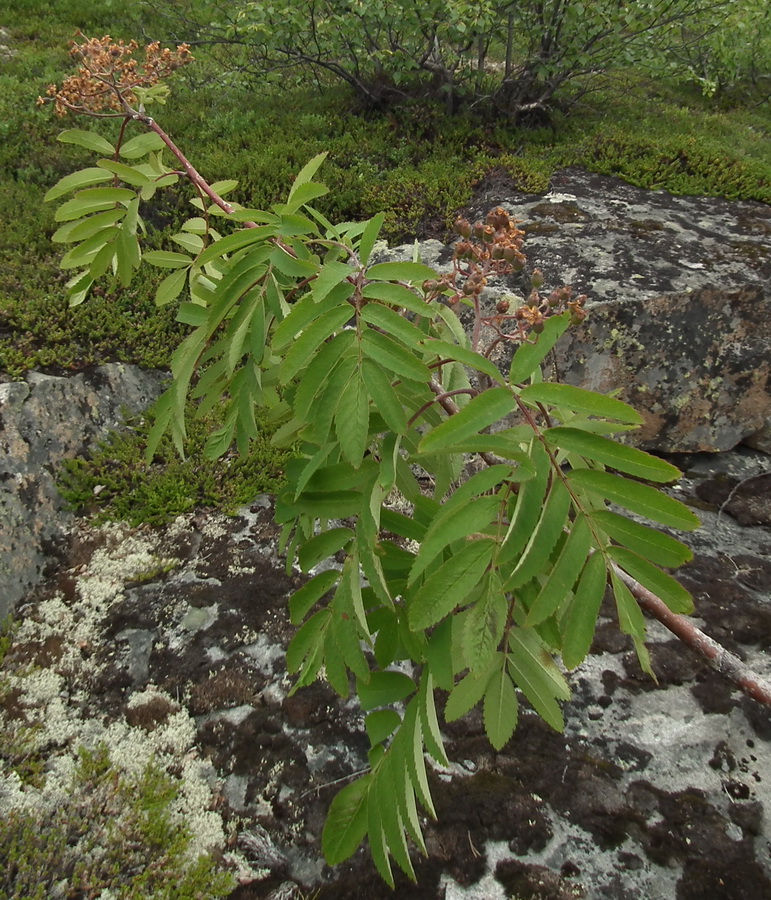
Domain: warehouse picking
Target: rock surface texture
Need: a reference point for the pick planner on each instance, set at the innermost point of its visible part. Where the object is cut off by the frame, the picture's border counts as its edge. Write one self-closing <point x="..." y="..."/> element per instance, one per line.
<point x="653" y="790"/>
<point x="44" y="420"/>
<point x="679" y="301"/>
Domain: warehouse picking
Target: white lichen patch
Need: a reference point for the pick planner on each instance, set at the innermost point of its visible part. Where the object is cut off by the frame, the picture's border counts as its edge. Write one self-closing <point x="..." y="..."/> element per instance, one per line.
<point x="50" y="723"/>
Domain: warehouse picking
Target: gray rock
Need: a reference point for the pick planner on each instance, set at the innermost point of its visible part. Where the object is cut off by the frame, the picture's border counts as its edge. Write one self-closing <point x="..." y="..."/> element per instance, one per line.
<point x="695" y="365"/>
<point x="679" y="319"/>
<point x="43" y="421"/>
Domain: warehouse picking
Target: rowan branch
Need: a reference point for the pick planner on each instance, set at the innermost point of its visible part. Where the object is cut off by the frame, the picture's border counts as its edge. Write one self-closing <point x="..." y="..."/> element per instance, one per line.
<point x="718" y="657"/>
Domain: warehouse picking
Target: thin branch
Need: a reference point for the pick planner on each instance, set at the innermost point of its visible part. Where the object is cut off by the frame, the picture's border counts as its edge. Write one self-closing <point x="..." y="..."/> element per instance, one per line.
<point x="717" y="656"/>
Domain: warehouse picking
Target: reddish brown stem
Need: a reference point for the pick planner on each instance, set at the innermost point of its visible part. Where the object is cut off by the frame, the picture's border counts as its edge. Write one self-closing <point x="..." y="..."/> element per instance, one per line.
<point x="716" y="654"/>
<point x="192" y="173"/>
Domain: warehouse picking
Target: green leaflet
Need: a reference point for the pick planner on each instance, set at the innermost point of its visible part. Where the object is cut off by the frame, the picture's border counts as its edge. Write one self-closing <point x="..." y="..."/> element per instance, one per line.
<point x="639" y="498"/>
<point x="80" y="206"/>
<point x="483" y="410"/>
<point x="302" y="194"/>
<point x="369" y="237"/>
<point x="527" y="506"/>
<point x="413" y="751"/>
<point x="129" y="174"/>
<point x="384" y="397"/>
<point x="631" y="621"/>
<point x="385" y="820"/>
<point x="233" y="242"/>
<point x="303" y="600"/>
<point x="535" y="673"/>
<point x="291" y="265"/>
<point x="193" y="243"/>
<point x="304" y="348"/>
<point x="530" y="355"/>
<point x="500" y="709"/>
<point x="452" y="525"/>
<point x="326" y="505"/>
<point x="307" y="172"/>
<point x="330" y="275"/>
<point x="384" y="688"/>
<point x="322" y="414"/>
<point x="446" y="350"/>
<point x="80" y="229"/>
<point x="449" y="585"/>
<point x="170" y="288"/>
<point x="392" y="323"/>
<point x="393" y="357"/>
<point x="89" y="140"/>
<point x="82" y="179"/>
<point x="316" y="375"/>
<point x="322" y="546"/>
<point x="340" y="476"/>
<point x="470" y="689"/>
<point x="653" y="545"/>
<point x="400" y="271"/>
<point x="381" y="724"/>
<point x="620" y="456"/>
<point x="309" y="637"/>
<point x="404" y="526"/>
<point x="428" y="720"/>
<point x="544" y="537"/>
<point x="564" y="573"/>
<point x="168" y="259"/>
<point x="405" y="790"/>
<point x="578" y="624"/>
<point x="352" y="420"/>
<point x="141" y="145"/>
<point x="484" y="624"/>
<point x="439" y="655"/>
<point x="397" y="295"/>
<point x="663" y="585"/>
<point x="346" y="823"/>
<point x="575" y="399"/>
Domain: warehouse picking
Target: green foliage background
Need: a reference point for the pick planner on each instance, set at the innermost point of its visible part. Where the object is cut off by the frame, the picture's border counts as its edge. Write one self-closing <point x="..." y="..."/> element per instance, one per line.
<point x="415" y="163"/>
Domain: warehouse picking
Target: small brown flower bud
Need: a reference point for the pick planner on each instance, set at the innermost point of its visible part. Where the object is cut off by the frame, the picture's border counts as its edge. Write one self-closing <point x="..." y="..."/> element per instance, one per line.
<point x="536" y="279"/>
<point x="463" y="227"/>
<point x="502" y="306"/>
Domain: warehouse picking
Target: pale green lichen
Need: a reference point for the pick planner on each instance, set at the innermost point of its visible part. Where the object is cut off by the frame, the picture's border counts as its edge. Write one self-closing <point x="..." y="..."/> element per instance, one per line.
<point x="125" y="805"/>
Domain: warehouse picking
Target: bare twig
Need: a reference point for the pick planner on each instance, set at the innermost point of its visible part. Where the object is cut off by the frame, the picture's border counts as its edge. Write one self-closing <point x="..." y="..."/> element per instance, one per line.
<point x="715" y="653"/>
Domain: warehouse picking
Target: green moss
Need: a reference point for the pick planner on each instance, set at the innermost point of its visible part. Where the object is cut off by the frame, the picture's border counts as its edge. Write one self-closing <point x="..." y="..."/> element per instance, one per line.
<point x="116" y="482"/>
<point x="112" y="833"/>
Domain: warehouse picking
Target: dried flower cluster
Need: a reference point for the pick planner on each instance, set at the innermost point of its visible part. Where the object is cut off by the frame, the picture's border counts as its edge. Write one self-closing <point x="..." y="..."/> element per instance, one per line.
<point x="494" y="247"/>
<point x="109" y="75"/>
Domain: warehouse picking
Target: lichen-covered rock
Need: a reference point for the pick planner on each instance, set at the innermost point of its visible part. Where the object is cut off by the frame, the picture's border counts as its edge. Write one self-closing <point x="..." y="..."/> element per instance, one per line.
<point x="696" y="366"/>
<point x="42" y="421"/>
<point x="679" y="312"/>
